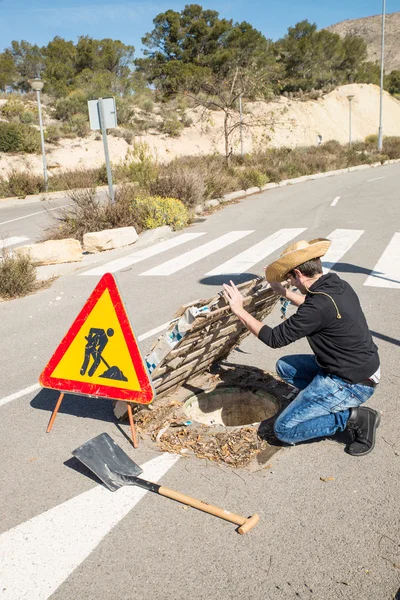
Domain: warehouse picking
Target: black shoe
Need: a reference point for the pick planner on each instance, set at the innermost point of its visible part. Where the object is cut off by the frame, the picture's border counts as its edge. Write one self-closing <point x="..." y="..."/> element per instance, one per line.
<point x="363" y="422"/>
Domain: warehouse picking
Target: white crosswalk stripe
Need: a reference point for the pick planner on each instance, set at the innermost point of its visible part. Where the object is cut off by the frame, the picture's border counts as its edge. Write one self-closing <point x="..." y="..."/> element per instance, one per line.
<point x="342" y="241"/>
<point x="180" y="262"/>
<point x="245" y="260"/>
<point x="12" y="241"/>
<point x="386" y="272"/>
<point x="135" y="257"/>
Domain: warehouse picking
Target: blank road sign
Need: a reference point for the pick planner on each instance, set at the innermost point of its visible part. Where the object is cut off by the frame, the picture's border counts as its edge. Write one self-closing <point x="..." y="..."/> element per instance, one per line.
<point x="110" y="113"/>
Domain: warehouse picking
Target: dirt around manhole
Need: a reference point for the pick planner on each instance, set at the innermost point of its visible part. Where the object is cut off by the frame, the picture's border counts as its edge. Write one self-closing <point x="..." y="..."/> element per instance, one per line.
<point x="167" y="424"/>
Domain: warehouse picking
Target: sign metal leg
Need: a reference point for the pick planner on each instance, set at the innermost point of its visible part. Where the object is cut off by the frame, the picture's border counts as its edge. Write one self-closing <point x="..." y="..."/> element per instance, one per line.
<point x="132" y="424"/>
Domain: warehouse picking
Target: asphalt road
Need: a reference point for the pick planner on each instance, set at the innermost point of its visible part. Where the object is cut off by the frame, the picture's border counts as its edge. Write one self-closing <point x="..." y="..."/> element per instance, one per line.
<point x="63" y="536"/>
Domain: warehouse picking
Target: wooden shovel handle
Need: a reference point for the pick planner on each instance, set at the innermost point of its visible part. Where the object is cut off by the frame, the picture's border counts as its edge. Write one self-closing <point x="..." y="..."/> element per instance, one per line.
<point x="245" y="524"/>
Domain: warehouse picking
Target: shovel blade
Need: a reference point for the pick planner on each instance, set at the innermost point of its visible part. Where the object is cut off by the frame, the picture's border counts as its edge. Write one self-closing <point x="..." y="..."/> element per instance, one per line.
<point x="107" y="461"/>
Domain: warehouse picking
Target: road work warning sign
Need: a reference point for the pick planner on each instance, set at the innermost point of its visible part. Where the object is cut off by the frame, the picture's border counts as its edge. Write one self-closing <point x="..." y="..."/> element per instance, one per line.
<point x="99" y="356"/>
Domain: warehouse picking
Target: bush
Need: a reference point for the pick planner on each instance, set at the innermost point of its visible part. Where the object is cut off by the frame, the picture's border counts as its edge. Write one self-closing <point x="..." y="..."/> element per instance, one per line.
<point x="16" y="137"/>
<point x="125" y="111"/>
<point x="80" y="124"/>
<point x="82" y="215"/>
<point x="12" y="108"/>
<point x="21" y="183"/>
<point x="172" y="127"/>
<point x="53" y="134"/>
<point x="391" y="146"/>
<point x="86" y="213"/>
<point x="180" y="182"/>
<point x="128" y="136"/>
<point x="148" y="106"/>
<point x="75" y="103"/>
<point x="154" y="211"/>
<point x="251" y="177"/>
<point x="27" y="117"/>
<point x="17" y="275"/>
<point x="139" y="166"/>
<point x="371" y="139"/>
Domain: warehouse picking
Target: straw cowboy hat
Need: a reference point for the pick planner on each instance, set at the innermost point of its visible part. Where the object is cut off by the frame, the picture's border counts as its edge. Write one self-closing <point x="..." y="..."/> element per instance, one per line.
<point x="294" y="255"/>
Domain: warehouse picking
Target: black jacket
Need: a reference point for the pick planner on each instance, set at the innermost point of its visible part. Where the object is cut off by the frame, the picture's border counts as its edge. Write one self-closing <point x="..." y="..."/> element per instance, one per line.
<point x="332" y="320"/>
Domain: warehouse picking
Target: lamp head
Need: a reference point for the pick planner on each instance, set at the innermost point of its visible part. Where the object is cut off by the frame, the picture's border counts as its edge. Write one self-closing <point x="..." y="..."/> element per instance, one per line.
<point x="36" y="84"/>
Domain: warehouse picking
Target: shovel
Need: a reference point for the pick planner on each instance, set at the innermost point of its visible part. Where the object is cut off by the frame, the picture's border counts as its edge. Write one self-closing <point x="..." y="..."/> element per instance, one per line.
<point x="115" y="469"/>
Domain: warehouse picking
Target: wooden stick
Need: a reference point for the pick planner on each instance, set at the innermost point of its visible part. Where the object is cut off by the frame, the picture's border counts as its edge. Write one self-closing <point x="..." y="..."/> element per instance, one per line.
<point x="55" y="411"/>
<point x="132" y="424"/>
<point x="245" y="524"/>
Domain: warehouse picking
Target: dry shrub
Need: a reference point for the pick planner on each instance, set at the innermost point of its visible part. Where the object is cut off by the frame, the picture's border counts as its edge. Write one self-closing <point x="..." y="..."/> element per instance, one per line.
<point x="21" y="183"/>
<point x="391" y="147"/>
<point x="180" y="182"/>
<point x="78" y="178"/>
<point x="17" y="275"/>
<point x="86" y="213"/>
<point x="82" y="215"/>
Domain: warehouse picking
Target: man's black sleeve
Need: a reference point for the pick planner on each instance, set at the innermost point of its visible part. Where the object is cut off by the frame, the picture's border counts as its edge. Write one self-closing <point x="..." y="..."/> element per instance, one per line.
<point x="307" y="319"/>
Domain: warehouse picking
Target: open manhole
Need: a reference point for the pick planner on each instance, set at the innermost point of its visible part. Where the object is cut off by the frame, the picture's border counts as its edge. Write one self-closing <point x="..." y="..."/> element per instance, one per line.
<point x="231" y="407"/>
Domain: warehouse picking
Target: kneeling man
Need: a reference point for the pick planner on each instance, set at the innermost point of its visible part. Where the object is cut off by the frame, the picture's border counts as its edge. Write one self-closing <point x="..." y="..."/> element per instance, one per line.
<point x="344" y="370"/>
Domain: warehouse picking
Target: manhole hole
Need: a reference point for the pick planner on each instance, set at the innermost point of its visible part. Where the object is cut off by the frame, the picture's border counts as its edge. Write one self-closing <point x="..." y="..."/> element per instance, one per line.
<point x="231" y="407"/>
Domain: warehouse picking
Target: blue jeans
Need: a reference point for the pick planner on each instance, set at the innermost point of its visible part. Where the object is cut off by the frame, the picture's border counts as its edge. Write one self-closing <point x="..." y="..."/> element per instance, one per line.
<point x="322" y="406"/>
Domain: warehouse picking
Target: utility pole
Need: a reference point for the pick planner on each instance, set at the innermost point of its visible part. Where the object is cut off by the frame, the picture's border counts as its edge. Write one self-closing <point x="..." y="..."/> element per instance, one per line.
<point x="380" y="134"/>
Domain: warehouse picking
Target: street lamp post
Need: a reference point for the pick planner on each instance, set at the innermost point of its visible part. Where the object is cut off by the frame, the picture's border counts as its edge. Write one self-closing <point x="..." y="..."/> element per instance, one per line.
<point x="37" y="85"/>
<point x="241" y="125"/>
<point x="380" y="134"/>
<point x="350" y="98"/>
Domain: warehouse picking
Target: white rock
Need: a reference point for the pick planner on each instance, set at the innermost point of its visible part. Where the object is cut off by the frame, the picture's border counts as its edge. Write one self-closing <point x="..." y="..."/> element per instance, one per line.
<point x="211" y="203"/>
<point x="233" y="195"/>
<point x="252" y="190"/>
<point x="269" y="186"/>
<point x="109" y="239"/>
<point x="53" y="252"/>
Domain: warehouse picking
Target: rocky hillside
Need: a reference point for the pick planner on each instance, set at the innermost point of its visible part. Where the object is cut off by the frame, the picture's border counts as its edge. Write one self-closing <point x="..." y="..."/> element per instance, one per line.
<point x="370" y="28"/>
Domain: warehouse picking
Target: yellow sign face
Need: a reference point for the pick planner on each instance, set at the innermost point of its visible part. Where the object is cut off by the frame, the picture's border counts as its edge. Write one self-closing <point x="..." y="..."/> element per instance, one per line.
<point x="99" y="355"/>
<point x="99" y="351"/>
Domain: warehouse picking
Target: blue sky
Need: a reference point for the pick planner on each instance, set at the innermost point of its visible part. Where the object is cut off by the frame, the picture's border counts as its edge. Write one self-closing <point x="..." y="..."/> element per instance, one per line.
<point x="38" y="21"/>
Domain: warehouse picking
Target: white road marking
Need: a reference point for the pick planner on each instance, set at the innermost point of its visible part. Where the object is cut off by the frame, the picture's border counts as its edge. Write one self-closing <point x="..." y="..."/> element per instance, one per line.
<point x="386" y="272"/>
<point x="336" y="200"/>
<point x="342" y="241"/>
<point x="180" y="262"/>
<point x="36" y="386"/>
<point x="31" y="215"/>
<point x="376" y="179"/>
<point x="12" y="241"/>
<point x="244" y="261"/>
<point x="16" y="395"/>
<point x="135" y="257"/>
<point x="40" y="554"/>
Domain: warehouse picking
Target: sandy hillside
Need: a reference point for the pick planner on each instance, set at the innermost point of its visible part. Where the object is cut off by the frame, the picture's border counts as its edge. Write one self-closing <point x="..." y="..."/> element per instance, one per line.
<point x="283" y="123"/>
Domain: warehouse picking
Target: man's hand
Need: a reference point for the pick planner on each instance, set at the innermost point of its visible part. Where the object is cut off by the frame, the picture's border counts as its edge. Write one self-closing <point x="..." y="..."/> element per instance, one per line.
<point x="279" y="289"/>
<point x="234" y="297"/>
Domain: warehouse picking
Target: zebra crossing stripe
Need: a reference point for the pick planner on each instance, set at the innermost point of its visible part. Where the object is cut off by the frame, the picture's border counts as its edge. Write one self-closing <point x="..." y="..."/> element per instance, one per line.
<point x="342" y="241"/>
<point x="135" y="257"/>
<point x="386" y="272"/>
<point x="244" y="261"/>
<point x="180" y="262"/>
<point x="12" y="241"/>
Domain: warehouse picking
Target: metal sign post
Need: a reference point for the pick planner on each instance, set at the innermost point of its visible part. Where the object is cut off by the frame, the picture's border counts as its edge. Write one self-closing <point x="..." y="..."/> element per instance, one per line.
<point x="103" y="115"/>
<point x="105" y="144"/>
